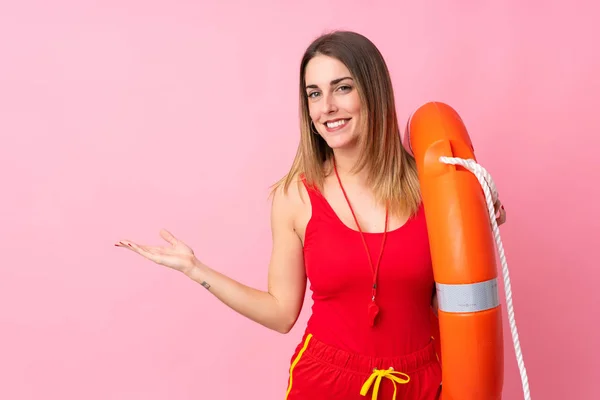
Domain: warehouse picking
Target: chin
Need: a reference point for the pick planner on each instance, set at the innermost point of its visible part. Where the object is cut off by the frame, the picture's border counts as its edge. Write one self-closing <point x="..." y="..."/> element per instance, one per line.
<point x="342" y="142"/>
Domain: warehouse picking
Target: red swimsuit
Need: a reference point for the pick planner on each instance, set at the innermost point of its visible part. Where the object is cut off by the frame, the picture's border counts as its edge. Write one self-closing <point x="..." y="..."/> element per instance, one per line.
<point x="341" y="351"/>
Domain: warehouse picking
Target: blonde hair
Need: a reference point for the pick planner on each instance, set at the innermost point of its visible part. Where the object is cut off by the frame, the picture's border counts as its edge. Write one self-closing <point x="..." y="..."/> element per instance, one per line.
<point x="392" y="172"/>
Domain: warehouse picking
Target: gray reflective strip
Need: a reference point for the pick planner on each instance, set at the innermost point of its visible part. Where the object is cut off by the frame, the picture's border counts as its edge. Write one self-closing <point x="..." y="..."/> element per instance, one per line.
<point x="468" y="297"/>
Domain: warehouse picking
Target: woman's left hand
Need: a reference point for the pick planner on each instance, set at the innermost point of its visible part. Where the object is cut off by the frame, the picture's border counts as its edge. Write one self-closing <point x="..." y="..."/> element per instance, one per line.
<point x="500" y="212"/>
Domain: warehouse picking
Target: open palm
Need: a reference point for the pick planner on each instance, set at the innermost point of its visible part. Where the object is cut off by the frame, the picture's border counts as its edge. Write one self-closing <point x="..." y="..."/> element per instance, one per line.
<point x="176" y="255"/>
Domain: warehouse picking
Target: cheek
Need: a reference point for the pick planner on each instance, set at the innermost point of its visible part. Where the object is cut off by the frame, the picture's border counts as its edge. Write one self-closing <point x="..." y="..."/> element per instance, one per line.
<point x="355" y="105"/>
<point x="313" y="112"/>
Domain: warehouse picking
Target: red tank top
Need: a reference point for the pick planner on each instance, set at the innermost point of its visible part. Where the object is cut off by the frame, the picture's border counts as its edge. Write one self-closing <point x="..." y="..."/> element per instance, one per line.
<point x="341" y="280"/>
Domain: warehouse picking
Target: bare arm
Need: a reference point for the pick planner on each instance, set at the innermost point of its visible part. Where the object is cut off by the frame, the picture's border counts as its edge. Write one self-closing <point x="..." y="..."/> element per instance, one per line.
<point x="279" y="307"/>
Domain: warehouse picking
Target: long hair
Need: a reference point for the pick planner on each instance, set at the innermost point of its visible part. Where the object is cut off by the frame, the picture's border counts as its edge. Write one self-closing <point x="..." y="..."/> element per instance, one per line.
<point x="392" y="172"/>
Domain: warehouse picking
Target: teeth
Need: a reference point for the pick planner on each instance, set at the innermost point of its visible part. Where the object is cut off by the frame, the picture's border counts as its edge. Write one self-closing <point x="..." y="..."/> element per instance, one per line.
<point x="336" y="123"/>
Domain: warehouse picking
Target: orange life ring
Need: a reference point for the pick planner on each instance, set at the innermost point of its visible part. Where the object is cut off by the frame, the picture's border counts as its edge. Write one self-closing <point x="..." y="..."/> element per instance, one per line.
<point x="463" y="256"/>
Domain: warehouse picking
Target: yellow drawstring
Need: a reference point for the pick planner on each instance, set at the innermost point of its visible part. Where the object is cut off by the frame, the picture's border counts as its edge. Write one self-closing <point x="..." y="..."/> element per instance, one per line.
<point x="378" y="375"/>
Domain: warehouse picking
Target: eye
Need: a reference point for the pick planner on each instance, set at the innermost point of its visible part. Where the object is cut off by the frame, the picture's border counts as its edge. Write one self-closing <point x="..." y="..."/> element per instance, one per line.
<point x="312" y="95"/>
<point x="345" y="88"/>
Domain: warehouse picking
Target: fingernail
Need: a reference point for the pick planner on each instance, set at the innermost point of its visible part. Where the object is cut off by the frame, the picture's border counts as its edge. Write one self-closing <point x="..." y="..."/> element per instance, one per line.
<point x="129" y="245"/>
<point x="502" y="206"/>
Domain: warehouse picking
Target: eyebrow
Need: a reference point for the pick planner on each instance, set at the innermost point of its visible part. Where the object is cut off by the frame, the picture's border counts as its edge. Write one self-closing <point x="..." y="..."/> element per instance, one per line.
<point x="333" y="82"/>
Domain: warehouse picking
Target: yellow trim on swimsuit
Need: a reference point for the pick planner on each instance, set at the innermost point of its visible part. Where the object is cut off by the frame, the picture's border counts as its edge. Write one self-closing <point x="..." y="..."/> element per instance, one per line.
<point x="296" y="362"/>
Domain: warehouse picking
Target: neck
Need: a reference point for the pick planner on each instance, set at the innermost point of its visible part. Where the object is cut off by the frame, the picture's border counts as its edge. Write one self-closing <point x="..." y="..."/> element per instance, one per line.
<point x="345" y="160"/>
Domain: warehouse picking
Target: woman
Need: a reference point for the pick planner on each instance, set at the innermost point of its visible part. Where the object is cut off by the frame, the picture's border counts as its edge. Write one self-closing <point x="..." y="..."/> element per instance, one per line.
<point x="349" y="217"/>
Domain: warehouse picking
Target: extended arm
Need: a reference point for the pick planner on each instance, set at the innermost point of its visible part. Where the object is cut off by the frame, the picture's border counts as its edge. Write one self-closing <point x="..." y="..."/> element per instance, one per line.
<point x="278" y="307"/>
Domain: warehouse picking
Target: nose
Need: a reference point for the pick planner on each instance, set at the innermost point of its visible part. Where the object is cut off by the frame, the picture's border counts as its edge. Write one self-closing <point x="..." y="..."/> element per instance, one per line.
<point x="328" y="105"/>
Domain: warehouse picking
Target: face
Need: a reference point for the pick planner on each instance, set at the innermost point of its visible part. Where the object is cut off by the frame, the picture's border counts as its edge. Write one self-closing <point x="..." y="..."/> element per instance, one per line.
<point x="333" y="101"/>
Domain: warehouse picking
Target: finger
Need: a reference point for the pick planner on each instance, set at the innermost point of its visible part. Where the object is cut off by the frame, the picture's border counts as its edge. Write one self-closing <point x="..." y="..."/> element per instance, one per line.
<point x="156" y="249"/>
<point x="151" y="249"/>
<point x="132" y="246"/>
<point x="166" y="235"/>
<point x="144" y="252"/>
<point x="497" y="205"/>
<point x="502" y="218"/>
<point x="152" y="253"/>
<point x="127" y="244"/>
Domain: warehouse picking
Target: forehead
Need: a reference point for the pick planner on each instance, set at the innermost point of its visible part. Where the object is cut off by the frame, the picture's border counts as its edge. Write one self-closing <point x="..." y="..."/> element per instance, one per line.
<point x="321" y="70"/>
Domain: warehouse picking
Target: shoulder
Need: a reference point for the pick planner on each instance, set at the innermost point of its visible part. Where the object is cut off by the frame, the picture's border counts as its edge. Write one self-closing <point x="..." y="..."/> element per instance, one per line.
<point x="289" y="198"/>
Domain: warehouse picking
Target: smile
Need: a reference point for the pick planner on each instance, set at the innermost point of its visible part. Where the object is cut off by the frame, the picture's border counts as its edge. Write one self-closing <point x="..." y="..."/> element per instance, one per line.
<point x="336" y="124"/>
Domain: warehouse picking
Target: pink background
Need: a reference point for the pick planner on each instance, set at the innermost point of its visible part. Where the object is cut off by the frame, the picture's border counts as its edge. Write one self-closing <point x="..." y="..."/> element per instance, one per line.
<point x="120" y="119"/>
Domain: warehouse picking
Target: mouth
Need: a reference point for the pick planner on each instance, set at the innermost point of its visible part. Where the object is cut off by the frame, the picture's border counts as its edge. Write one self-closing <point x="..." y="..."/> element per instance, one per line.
<point x="336" y="124"/>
